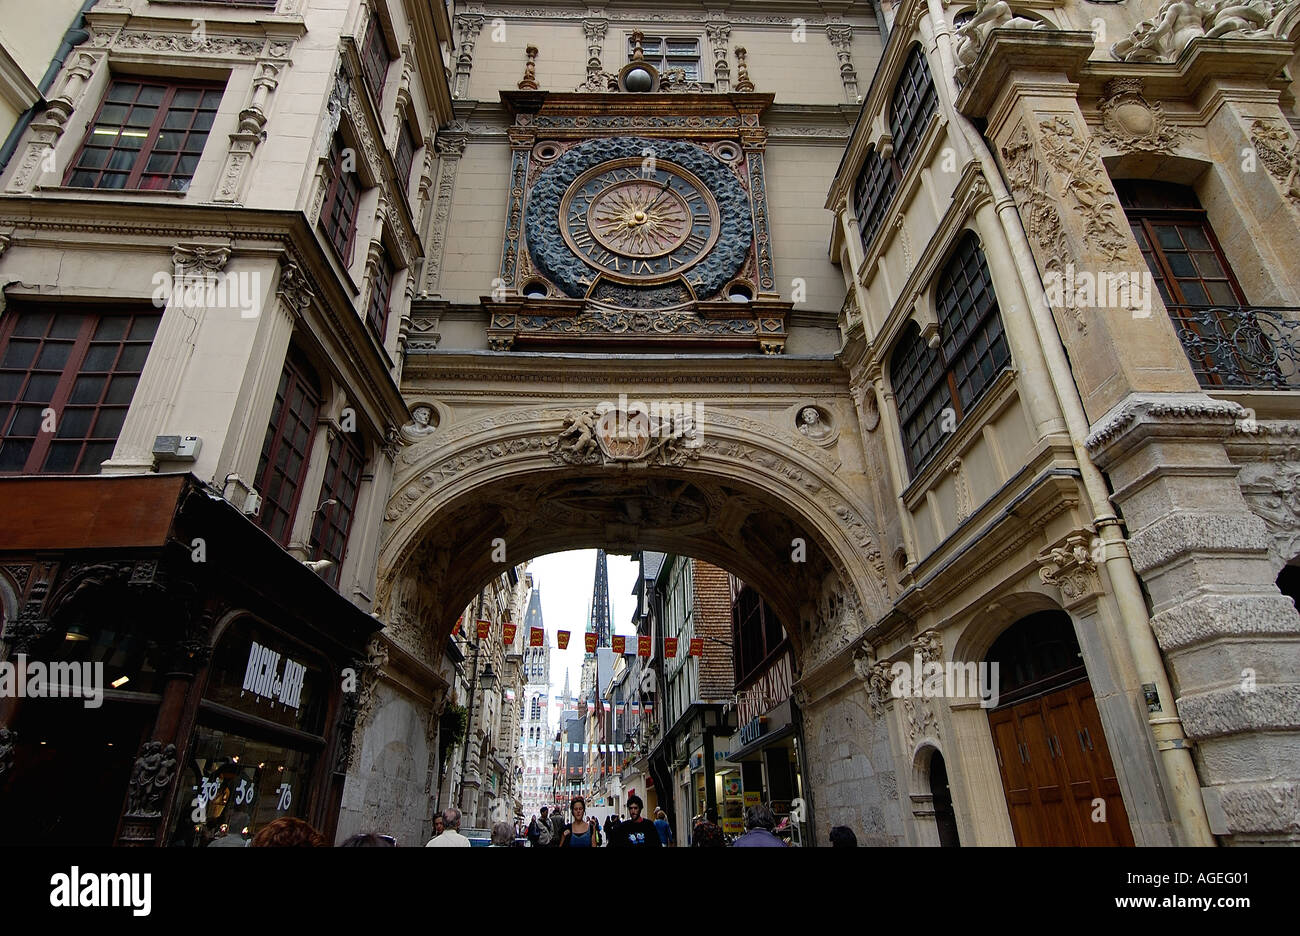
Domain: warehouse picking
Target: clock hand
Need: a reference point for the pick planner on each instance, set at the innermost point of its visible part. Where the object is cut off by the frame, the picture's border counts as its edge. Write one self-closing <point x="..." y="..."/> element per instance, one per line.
<point x="662" y="193"/>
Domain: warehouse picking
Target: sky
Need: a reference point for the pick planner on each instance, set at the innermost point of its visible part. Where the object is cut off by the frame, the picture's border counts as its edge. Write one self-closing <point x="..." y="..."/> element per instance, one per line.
<point x="565" y="581"/>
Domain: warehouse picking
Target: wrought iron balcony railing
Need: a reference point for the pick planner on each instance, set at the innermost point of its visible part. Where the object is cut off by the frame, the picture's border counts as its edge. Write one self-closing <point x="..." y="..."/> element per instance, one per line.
<point x="1245" y="347"/>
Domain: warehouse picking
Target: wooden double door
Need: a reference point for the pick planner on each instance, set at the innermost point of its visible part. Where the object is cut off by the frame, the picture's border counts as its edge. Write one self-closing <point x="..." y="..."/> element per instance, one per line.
<point x="1055" y="766"/>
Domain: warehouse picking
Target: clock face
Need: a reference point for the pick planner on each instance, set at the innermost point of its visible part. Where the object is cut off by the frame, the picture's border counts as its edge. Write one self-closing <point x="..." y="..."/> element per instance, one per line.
<point x="636" y="225"/>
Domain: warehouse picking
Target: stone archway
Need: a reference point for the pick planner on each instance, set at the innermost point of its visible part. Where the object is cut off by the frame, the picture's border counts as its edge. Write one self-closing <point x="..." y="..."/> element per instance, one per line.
<point x="496" y="491"/>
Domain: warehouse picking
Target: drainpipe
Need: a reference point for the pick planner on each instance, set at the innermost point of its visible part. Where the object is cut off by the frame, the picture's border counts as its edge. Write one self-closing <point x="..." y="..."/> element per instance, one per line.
<point x="74" y="37"/>
<point x="1182" y="784"/>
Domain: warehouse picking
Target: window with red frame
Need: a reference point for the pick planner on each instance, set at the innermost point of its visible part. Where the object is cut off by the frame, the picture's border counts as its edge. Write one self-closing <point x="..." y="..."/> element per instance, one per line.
<point x="329" y="535"/>
<point x="285" y="451"/>
<point x="338" y="215"/>
<point x="404" y="155"/>
<point x="380" y="296"/>
<point x="83" y="368"/>
<point x="146" y="135"/>
<point x="375" y="57"/>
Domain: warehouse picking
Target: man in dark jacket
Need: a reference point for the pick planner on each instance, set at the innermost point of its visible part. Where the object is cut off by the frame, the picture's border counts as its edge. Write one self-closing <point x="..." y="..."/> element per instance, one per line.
<point x="557" y="828"/>
<point x="636" y="832"/>
<point x="759" y="823"/>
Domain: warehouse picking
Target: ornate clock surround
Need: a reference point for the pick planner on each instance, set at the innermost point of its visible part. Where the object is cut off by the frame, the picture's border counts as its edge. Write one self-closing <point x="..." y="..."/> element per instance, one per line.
<point x="601" y="248"/>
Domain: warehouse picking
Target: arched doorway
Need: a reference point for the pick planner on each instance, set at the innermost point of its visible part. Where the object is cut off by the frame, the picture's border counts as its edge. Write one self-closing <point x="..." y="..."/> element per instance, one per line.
<point x="1056" y="768"/>
<point x="945" y="817"/>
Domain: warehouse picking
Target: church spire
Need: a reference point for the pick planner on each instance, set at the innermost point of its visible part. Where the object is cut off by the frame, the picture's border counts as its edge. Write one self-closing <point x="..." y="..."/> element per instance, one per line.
<point x="598" y="620"/>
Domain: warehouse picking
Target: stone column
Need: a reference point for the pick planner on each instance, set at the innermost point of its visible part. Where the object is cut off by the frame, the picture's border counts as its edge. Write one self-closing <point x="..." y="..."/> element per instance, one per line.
<point x="595" y="30"/>
<point x="1228" y="636"/>
<point x="194" y="270"/>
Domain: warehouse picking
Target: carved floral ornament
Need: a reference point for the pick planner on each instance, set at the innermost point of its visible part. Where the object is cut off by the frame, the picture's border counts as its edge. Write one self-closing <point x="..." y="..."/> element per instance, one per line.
<point x="1164" y="37"/>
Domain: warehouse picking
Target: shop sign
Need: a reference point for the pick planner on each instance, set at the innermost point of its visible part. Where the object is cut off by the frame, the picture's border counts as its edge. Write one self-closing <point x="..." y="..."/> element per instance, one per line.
<point x="753" y="797"/>
<point x="771" y="689"/>
<point x="263" y="678"/>
<point x="754" y="729"/>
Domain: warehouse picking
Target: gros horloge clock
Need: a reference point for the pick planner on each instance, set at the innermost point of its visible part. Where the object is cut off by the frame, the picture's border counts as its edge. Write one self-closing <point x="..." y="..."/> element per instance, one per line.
<point x="652" y="222"/>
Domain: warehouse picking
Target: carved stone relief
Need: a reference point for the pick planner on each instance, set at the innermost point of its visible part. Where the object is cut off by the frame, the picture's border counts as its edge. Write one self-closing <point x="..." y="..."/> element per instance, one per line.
<point x="1130" y="123"/>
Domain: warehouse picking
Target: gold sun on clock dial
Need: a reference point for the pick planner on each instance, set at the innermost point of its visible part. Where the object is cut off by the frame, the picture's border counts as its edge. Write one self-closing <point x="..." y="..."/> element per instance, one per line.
<point x="639" y="222"/>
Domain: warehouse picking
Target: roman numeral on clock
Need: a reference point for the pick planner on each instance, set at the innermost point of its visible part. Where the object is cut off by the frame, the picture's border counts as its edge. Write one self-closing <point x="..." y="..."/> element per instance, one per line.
<point x="696" y="243"/>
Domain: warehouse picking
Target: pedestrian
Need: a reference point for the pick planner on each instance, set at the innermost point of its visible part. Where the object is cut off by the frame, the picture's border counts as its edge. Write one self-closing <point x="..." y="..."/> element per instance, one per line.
<point x="842" y="837"/>
<point x="557" y="828"/>
<point x="369" y="840"/>
<point x="438" y="825"/>
<point x="636" y="832"/>
<point x="707" y="833"/>
<point x="287" y="832"/>
<point x="759" y="823"/>
<point x="663" y="828"/>
<point x="503" y="836"/>
<point x="450" y="837"/>
<point x="580" y="833"/>
<point x="610" y="825"/>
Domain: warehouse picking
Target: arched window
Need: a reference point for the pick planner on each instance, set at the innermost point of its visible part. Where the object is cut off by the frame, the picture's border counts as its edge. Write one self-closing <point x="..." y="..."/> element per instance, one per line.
<point x="972" y="352"/>
<point x="912" y="105"/>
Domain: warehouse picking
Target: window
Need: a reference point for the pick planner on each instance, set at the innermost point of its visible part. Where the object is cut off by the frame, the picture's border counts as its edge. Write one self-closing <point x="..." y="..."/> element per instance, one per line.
<point x="665" y="53"/>
<point x="1198" y="286"/>
<point x="83" y="368"/>
<point x="758" y="632"/>
<point x="283" y="465"/>
<point x="146" y="135"/>
<point x="380" y="295"/>
<point x="375" y="57"/>
<point x="338" y="215"/>
<point x="972" y="352"/>
<point x="404" y="155"/>
<point x="912" y="104"/>
<point x="329" y="536"/>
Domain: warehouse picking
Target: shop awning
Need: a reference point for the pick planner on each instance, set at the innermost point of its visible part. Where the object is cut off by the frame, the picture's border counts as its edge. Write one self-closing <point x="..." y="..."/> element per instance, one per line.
<point x="756" y="746"/>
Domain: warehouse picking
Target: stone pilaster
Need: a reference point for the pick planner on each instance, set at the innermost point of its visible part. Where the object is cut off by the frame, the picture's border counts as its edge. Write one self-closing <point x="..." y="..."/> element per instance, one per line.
<point x="719" y="35"/>
<point x="841" y="39"/>
<point x="595" y="30"/>
<point x="194" y="273"/>
<point x="45" y="132"/>
<point x="450" y="148"/>
<point x="251" y="132"/>
<point x="1230" y="639"/>
<point x="468" y="27"/>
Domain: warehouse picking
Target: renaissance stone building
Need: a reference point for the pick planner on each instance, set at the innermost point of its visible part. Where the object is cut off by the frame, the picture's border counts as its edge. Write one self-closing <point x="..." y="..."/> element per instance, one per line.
<point x="963" y="333"/>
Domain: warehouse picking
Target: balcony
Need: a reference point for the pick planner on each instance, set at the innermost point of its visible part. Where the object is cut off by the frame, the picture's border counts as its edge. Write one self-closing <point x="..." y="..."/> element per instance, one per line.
<point x="1240" y="347"/>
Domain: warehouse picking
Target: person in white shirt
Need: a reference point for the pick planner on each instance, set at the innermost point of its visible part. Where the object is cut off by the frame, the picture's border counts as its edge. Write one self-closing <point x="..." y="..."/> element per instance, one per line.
<point x="450" y="837"/>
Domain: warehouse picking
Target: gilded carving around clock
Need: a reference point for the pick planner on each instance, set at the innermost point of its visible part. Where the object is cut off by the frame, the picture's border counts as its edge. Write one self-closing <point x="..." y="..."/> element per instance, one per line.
<point x="604" y="213"/>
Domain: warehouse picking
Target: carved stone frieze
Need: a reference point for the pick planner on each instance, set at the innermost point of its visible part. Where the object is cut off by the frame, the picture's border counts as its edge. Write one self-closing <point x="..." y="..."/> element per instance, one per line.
<point x="1272" y="491"/>
<point x="589" y="437"/>
<point x="190" y="44"/>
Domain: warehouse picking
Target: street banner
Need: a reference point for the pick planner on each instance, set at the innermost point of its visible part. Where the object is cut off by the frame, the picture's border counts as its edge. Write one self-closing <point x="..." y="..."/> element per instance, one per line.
<point x="643" y="646"/>
<point x="636" y="708"/>
<point x="536" y="637"/>
<point x="562" y="637"/>
<point x="620" y="645"/>
<point x="605" y="703"/>
<point x="697" y="646"/>
<point x="508" y="633"/>
<point x="670" y="647"/>
<point x="649" y="709"/>
<point x="621" y="708"/>
<point x="590" y="638"/>
<point x="484" y="628"/>
<point x="591" y="707"/>
<point x="456" y="630"/>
